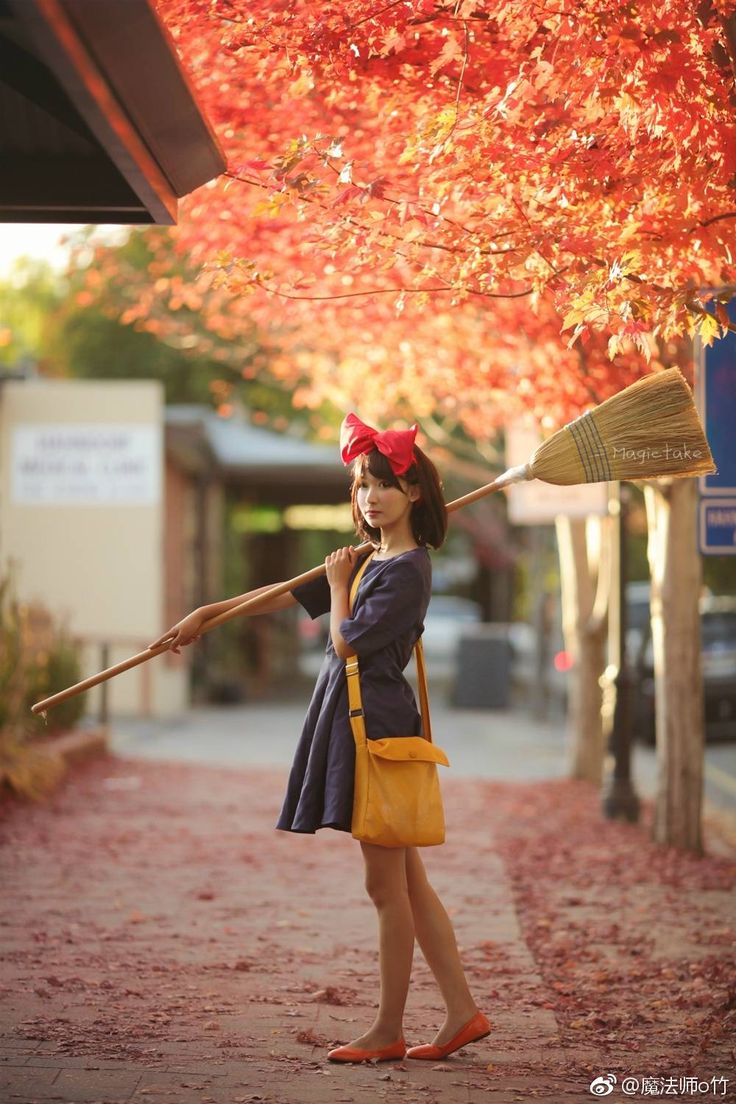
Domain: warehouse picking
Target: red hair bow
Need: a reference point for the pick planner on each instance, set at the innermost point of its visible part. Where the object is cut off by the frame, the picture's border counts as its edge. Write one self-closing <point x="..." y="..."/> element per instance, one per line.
<point x="397" y="445"/>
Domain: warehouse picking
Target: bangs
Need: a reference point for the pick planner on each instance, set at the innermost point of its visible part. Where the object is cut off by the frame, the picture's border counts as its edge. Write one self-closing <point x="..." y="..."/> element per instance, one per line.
<point x="378" y="466"/>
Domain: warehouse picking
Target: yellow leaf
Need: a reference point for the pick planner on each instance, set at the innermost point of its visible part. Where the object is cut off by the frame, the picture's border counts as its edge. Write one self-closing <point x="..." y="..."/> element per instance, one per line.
<point x="708" y="328"/>
<point x="631" y="260"/>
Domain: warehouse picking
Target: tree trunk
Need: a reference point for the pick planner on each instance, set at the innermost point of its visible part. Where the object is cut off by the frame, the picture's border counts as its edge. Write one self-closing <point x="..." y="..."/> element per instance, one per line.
<point x="582" y="572"/>
<point x="675" y="567"/>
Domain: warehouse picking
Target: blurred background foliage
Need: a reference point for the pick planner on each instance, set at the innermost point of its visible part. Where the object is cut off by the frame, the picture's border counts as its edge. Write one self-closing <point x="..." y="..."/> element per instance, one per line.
<point x="37" y="659"/>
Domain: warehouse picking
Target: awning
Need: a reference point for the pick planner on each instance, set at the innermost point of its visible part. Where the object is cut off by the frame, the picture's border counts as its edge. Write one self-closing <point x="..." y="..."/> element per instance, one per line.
<point x="98" y="121"/>
<point x="264" y="466"/>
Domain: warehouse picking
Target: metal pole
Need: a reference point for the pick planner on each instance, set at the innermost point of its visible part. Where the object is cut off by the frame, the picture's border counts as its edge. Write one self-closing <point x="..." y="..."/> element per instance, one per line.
<point x="104" y="716"/>
<point x="619" y="800"/>
<point x="540" y="685"/>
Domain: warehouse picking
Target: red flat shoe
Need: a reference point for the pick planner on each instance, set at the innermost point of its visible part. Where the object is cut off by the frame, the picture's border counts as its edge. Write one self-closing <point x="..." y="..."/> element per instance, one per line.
<point x="474" y="1029"/>
<point x="358" y="1054"/>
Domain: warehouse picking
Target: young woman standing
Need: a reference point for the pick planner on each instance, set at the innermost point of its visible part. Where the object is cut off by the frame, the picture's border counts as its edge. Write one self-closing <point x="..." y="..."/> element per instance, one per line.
<point x="398" y="506"/>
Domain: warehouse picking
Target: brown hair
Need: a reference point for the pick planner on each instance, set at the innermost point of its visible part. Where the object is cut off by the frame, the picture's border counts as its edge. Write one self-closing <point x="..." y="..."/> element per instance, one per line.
<point x="428" y="513"/>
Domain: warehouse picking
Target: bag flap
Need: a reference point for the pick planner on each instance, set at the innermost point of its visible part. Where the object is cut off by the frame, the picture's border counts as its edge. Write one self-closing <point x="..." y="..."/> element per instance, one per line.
<point x="406" y="748"/>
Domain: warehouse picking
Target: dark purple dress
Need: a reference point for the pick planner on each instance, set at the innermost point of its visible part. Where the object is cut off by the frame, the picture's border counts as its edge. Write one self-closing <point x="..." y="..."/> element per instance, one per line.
<point x="387" y="619"/>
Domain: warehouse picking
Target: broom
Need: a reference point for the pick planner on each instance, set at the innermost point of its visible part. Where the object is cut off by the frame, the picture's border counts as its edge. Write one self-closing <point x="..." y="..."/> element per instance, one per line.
<point x="649" y="430"/>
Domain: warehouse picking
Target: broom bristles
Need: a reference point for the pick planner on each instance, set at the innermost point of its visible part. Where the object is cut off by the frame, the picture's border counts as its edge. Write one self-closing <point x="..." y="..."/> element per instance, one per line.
<point x="649" y="429"/>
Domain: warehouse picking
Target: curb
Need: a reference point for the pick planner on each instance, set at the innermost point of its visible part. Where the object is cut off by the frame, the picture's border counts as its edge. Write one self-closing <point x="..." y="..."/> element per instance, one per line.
<point x="67" y="749"/>
<point x="78" y="745"/>
<point x="719" y="830"/>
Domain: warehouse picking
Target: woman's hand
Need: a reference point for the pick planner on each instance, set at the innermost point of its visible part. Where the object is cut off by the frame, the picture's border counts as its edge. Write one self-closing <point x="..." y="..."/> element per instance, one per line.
<point x="339" y="566"/>
<point x="183" y="632"/>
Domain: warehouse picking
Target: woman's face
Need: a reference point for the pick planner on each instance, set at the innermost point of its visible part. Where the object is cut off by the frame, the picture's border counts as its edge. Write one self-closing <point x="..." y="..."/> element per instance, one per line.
<point x="382" y="504"/>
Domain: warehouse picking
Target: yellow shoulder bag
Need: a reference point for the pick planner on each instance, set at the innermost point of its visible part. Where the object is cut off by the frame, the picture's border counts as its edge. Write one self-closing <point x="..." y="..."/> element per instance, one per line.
<point x="397" y="800"/>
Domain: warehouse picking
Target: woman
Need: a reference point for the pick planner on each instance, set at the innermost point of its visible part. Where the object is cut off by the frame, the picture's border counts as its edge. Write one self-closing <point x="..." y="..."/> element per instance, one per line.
<point x="398" y="506"/>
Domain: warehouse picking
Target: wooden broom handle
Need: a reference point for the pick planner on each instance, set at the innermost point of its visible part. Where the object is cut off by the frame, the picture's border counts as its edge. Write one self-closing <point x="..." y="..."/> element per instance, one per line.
<point x="252" y="605"/>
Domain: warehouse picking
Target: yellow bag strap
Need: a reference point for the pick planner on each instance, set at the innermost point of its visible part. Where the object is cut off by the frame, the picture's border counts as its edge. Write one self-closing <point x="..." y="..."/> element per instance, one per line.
<point x="423" y="691"/>
<point x="352" y="671"/>
<point x="356" y="581"/>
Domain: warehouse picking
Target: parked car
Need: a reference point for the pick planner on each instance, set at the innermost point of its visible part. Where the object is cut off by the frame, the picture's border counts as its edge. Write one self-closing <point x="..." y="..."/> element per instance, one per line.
<point x="718" y="649"/>
<point x="448" y="617"/>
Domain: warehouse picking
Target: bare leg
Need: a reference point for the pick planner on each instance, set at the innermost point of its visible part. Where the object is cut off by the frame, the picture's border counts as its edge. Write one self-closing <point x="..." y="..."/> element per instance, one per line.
<point x="385" y="869"/>
<point x="435" y="935"/>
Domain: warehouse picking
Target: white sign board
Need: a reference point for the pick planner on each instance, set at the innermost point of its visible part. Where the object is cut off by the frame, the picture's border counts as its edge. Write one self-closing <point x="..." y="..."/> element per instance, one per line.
<point x="86" y="464"/>
<point x="538" y="503"/>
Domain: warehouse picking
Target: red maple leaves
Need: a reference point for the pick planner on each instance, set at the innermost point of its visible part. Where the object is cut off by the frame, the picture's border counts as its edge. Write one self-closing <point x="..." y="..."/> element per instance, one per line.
<point x="452" y="173"/>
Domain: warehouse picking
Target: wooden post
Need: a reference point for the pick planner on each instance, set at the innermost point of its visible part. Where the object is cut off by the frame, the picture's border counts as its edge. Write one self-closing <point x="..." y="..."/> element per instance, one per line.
<point x="675" y="567"/>
<point x="583" y="571"/>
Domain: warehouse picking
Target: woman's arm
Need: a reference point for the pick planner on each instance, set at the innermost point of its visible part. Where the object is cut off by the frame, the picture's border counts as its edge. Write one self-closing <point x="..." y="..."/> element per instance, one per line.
<point x="339" y="565"/>
<point x="189" y="628"/>
<point x="281" y="601"/>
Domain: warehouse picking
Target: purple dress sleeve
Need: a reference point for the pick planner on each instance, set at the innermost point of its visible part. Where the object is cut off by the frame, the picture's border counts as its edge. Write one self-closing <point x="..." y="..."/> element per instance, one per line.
<point x="314" y="596"/>
<point x="392" y="606"/>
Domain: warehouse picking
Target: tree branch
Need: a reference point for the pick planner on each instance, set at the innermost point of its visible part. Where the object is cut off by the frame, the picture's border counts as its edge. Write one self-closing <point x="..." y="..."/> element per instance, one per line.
<point x="373" y="15"/>
<point x="389" y="234"/>
<point x="715" y="218"/>
<point x="395" y="291"/>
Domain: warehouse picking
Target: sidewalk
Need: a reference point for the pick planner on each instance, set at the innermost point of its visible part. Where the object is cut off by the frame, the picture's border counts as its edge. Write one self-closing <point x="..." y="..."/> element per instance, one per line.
<point x="165" y="944"/>
<point x="508" y="744"/>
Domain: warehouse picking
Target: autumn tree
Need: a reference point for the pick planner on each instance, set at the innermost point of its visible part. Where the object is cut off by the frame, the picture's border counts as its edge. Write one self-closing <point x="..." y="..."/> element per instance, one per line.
<point x="422" y="197"/>
<point x="457" y="169"/>
<point x="470" y="152"/>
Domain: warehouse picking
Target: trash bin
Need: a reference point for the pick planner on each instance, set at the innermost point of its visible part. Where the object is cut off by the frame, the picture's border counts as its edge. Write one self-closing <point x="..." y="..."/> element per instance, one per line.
<point x="483" y="674"/>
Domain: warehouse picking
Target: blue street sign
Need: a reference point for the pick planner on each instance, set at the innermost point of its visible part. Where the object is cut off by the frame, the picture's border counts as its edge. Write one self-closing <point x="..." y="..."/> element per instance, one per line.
<point x="718" y="526"/>
<point x="717" y="394"/>
<point x="717" y="402"/>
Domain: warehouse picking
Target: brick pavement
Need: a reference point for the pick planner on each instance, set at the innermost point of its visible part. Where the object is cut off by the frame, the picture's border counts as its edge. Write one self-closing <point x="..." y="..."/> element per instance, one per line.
<point x="164" y="943"/>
